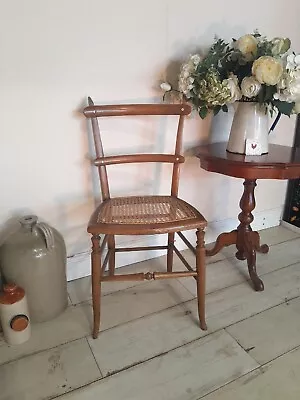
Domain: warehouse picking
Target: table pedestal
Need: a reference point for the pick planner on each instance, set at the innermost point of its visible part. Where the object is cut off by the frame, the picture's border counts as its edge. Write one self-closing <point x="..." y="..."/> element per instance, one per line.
<point x="247" y="241"/>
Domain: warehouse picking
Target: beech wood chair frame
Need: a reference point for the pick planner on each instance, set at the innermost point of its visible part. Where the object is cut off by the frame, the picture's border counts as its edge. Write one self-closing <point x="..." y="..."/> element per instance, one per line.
<point x="99" y="273"/>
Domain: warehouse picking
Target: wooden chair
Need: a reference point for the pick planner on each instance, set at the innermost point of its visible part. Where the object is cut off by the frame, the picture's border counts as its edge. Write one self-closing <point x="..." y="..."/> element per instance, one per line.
<point x="142" y="215"/>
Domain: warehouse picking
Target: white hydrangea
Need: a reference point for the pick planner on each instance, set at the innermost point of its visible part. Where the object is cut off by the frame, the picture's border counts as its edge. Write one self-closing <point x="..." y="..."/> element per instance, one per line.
<point x="186" y="80"/>
<point x="289" y="87"/>
<point x="235" y="91"/>
<point x="293" y="61"/>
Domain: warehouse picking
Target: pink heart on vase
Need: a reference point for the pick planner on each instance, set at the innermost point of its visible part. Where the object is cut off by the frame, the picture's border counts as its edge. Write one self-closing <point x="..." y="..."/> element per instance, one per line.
<point x="253" y="145"/>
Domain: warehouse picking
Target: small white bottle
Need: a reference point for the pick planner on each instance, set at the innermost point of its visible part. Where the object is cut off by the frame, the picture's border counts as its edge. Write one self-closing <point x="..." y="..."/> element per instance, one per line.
<point x="14" y="315"/>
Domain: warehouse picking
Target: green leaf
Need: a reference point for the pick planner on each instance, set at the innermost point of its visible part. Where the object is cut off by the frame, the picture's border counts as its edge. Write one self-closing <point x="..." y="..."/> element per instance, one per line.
<point x="283" y="107"/>
<point x="243" y="68"/>
<point x="201" y="103"/>
<point x="217" y="109"/>
<point x="261" y="94"/>
<point x="225" y="108"/>
<point x="203" y="112"/>
<point x="286" y="46"/>
<point x="269" y="91"/>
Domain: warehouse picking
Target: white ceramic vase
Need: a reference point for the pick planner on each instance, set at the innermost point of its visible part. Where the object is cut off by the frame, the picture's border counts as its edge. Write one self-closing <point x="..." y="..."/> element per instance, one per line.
<point x="250" y="121"/>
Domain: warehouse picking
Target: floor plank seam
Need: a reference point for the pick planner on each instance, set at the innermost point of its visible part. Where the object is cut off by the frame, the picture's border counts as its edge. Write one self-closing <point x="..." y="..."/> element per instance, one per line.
<point x="259" y="312"/>
<point x="157" y="312"/>
<point x="282" y="290"/>
<point x="101" y="374"/>
<point x="260" y="367"/>
<point x="241" y="346"/>
<point x="195" y="340"/>
<point x="135" y="364"/>
<point x="207" y="264"/>
<point x="208" y="293"/>
<point x="72" y="390"/>
<point x="145" y="316"/>
<point x="230" y="382"/>
<point x="121" y="290"/>
<point x="41" y="351"/>
<point x="247" y="279"/>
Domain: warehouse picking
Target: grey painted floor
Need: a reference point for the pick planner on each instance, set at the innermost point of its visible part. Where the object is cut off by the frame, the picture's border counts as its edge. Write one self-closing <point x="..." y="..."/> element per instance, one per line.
<point x="151" y="346"/>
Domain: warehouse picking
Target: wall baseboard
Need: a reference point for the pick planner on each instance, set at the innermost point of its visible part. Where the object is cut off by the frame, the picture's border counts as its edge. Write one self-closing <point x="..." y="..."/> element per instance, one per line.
<point x="78" y="265"/>
<point x="290" y="226"/>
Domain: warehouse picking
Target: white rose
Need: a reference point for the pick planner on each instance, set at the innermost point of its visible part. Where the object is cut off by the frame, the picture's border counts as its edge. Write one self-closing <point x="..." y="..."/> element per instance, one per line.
<point x="250" y="87"/>
<point x="247" y="45"/>
<point x="267" y="70"/>
<point x="280" y="46"/>
<point x="233" y="85"/>
<point x="165" y="86"/>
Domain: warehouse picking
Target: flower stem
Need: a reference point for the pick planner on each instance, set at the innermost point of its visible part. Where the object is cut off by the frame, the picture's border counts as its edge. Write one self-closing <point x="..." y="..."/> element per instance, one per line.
<point x="275" y="122"/>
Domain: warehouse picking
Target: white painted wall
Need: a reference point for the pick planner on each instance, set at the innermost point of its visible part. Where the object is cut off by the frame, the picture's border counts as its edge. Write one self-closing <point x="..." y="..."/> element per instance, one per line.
<point x="53" y="54"/>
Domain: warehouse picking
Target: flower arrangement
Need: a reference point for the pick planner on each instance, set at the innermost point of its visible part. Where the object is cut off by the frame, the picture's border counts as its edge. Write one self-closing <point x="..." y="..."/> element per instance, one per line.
<point x="251" y="68"/>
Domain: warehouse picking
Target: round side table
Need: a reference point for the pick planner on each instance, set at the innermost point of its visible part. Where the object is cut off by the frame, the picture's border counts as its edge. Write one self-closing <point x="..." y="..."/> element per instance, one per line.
<point x="280" y="163"/>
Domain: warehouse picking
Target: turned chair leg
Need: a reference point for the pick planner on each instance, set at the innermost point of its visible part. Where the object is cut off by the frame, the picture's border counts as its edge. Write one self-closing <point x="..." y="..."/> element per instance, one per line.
<point x="170" y="252"/>
<point x="200" y="268"/>
<point x="112" y="257"/>
<point x="96" y="282"/>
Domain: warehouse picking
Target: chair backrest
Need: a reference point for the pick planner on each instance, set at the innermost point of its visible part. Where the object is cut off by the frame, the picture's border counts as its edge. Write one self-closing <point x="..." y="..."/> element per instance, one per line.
<point x="93" y="112"/>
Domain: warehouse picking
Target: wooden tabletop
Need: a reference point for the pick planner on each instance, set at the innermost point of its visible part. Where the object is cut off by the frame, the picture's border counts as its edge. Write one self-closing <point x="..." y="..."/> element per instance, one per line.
<point x="281" y="162"/>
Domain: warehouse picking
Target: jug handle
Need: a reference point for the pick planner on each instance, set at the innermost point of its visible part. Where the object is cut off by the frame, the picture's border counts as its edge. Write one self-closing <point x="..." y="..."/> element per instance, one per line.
<point x="47" y="233"/>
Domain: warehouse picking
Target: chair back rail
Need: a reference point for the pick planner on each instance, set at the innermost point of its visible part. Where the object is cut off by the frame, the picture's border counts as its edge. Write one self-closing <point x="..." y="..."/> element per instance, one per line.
<point x="97" y="111"/>
<point x="94" y="112"/>
<point x="139" y="158"/>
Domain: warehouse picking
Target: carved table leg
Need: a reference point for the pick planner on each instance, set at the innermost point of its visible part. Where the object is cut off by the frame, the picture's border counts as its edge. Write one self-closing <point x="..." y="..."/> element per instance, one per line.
<point x="251" y="261"/>
<point x="264" y="248"/>
<point x="225" y="239"/>
<point x="248" y="242"/>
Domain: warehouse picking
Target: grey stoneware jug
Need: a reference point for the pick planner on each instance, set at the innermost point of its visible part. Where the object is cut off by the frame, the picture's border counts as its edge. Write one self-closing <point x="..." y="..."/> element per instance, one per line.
<point x="34" y="257"/>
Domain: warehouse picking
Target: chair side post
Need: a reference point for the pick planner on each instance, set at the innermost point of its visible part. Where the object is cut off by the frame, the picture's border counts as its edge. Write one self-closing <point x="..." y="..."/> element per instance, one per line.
<point x="178" y="150"/>
<point x="99" y="153"/>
